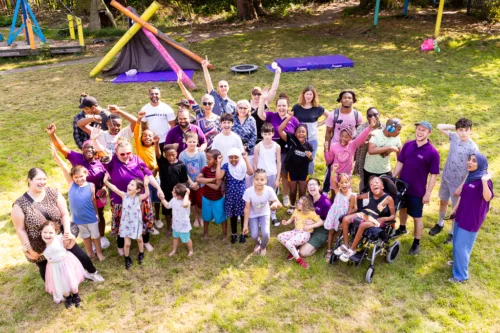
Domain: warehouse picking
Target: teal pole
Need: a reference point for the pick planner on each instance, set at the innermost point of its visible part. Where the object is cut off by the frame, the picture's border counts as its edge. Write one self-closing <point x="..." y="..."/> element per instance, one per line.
<point x="375" y="15"/>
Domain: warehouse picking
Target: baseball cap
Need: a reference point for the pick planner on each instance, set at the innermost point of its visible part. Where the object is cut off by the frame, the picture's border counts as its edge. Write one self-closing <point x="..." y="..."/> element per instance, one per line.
<point x="426" y="124"/>
<point x="88" y="101"/>
<point x="183" y="103"/>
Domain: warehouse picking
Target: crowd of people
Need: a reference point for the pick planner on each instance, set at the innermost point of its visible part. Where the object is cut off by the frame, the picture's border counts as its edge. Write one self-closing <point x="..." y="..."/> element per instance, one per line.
<point x="225" y="160"/>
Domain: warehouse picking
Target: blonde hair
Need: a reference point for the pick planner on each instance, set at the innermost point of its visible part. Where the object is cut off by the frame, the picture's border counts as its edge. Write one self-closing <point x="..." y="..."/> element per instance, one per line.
<point x="302" y="98"/>
<point x="207" y="98"/>
<point x="307" y="204"/>
<point x="121" y="143"/>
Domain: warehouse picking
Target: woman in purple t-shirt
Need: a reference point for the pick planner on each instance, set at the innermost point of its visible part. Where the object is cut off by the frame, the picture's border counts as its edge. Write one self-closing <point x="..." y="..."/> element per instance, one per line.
<point x="471" y="211"/>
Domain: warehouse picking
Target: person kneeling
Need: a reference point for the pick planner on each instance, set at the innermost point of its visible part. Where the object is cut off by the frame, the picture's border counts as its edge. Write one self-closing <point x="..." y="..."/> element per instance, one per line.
<point x="379" y="204"/>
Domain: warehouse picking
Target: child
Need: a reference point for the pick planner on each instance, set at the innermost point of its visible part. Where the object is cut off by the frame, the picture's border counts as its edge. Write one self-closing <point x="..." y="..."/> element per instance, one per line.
<point x="83" y="206"/>
<point x="195" y="161"/>
<point x="297" y="159"/>
<point x="455" y="169"/>
<point x="258" y="210"/>
<point x="131" y="220"/>
<point x="172" y="172"/>
<point x="267" y="156"/>
<point x="64" y="271"/>
<point x="234" y="205"/>
<point x="179" y="204"/>
<point x="227" y="139"/>
<point x="306" y="220"/>
<point x="379" y="201"/>
<point x="344" y="203"/>
<point x="212" y="207"/>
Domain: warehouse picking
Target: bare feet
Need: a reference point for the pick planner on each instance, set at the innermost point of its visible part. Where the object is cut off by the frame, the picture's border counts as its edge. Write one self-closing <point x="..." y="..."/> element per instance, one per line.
<point x="196" y="224"/>
<point x="205" y="236"/>
<point x="190" y="254"/>
<point x="256" y="249"/>
<point x="149" y="247"/>
<point x="172" y="253"/>
<point x="263" y="251"/>
<point x="101" y="257"/>
<point x="223" y="238"/>
<point x="120" y="252"/>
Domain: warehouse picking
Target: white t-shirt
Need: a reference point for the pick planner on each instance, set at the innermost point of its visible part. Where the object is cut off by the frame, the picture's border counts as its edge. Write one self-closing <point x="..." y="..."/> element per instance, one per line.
<point x="157" y="118"/>
<point x="225" y="142"/>
<point x="108" y="141"/>
<point x="259" y="204"/>
<point x="267" y="159"/>
<point x="180" y="216"/>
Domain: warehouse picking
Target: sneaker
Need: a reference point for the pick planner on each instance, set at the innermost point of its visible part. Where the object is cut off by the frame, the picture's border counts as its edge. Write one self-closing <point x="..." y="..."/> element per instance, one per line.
<point x="347" y="254"/>
<point x="449" y="240"/>
<point x="340" y="250"/>
<point x="234" y="239"/>
<point x="56" y="299"/>
<point x="302" y="263"/>
<point x="76" y="300"/>
<point x="414" y="250"/>
<point x="401" y="232"/>
<point x="128" y="263"/>
<point x="290" y="210"/>
<point x="104" y="243"/>
<point x="120" y="252"/>
<point x="159" y="224"/>
<point x="140" y="258"/>
<point x="242" y="239"/>
<point x="154" y="231"/>
<point x="148" y="247"/>
<point x="276" y="222"/>
<point x="68" y="301"/>
<point x="450" y="263"/>
<point x="96" y="277"/>
<point x="455" y="280"/>
<point x="435" y="230"/>
<point x="290" y="257"/>
<point x="286" y="201"/>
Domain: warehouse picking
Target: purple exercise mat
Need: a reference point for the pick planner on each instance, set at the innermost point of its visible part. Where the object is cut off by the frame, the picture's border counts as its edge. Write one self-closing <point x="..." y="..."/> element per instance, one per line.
<point x="167" y="76"/>
<point x="312" y="63"/>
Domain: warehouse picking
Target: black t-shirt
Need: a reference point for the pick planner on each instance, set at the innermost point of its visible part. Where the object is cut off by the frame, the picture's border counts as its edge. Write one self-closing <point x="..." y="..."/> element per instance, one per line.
<point x="171" y="175"/>
<point x="309" y="117"/>
<point x="258" y="122"/>
<point x="296" y="161"/>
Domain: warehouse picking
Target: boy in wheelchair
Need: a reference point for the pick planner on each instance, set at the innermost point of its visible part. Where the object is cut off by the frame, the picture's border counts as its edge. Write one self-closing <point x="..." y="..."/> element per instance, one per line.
<point x="379" y="210"/>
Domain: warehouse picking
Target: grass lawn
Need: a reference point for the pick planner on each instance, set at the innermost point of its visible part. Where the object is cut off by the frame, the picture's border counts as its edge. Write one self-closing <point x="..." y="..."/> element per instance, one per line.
<point x="223" y="287"/>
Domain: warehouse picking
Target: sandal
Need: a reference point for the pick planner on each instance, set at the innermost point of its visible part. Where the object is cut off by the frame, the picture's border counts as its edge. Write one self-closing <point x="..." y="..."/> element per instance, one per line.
<point x="328" y="255"/>
<point x="290" y="210"/>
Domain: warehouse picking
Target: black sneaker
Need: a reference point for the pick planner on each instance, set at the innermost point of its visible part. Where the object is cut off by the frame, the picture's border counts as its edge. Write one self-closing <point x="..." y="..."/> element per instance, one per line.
<point x="449" y="239"/>
<point x="128" y="262"/>
<point x="400" y="231"/>
<point x="76" y="300"/>
<point x="140" y="258"/>
<point x="415" y="249"/>
<point x="276" y="222"/>
<point x="68" y="301"/>
<point x="243" y="239"/>
<point x="234" y="239"/>
<point x="435" y="230"/>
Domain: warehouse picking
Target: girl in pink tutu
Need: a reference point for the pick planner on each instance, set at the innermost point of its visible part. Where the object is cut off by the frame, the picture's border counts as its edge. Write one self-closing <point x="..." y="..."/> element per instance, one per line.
<point x="64" y="271"/>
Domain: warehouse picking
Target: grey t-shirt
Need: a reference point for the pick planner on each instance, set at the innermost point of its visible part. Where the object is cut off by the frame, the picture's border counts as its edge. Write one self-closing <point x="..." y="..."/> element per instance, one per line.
<point x="455" y="169"/>
<point x="259" y="204"/>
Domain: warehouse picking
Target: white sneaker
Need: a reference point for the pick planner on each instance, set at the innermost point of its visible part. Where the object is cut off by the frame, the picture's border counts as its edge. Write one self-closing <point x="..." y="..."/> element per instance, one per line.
<point x="154" y="231"/>
<point x="286" y="201"/>
<point x="56" y="299"/>
<point x="93" y="247"/>
<point x="346" y="255"/>
<point x="104" y="243"/>
<point x="96" y="277"/>
<point x="340" y="250"/>
<point x="159" y="224"/>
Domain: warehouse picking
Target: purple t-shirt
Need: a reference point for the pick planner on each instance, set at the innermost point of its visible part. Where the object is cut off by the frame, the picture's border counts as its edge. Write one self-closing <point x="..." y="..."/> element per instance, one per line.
<point x="322" y="206"/>
<point x="275" y="120"/>
<point x="418" y="163"/>
<point x="472" y="209"/>
<point x="176" y="135"/>
<point x="121" y="174"/>
<point x="95" y="168"/>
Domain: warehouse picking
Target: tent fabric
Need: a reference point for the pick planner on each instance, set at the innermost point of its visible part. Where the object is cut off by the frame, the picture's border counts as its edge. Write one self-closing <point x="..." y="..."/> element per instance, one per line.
<point x="168" y="76"/>
<point x="140" y="54"/>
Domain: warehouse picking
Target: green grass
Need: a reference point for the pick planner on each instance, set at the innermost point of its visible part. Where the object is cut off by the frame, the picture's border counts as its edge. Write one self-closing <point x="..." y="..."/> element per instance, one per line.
<point x="223" y="287"/>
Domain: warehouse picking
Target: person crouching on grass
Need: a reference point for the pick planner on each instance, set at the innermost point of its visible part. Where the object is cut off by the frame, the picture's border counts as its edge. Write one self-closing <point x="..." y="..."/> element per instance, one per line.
<point x="181" y="225"/>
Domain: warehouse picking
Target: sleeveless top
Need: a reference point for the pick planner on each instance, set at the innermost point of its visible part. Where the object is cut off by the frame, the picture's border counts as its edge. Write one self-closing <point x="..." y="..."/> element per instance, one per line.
<point x="33" y="219"/>
<point x="267" y="159"/>
<point x="376" y="207"/>
<point x="80" y="203"/>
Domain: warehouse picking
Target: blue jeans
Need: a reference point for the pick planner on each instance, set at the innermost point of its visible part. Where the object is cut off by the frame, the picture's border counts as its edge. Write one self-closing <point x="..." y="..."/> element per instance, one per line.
<point x="314" y="144"/>
<point x="463" y="242"/>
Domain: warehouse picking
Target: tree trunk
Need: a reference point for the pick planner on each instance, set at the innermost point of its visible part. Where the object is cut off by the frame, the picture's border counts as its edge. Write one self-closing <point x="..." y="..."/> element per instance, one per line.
<point x="257" y="4"/>
<point x="246" y="10"/>
<point x="94" y="20"/>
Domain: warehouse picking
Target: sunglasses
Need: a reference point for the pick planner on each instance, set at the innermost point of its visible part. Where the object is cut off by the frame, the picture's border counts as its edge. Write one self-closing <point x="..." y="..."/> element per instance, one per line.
<point x="373" y="115"/>
<point x="207" y="103"/>
<point x="257" y="94"/>
<point x="126" y="154"/>
<point x="222" y="86"/>
<point x="242" y="108"/>
<point x="153" y="94"/>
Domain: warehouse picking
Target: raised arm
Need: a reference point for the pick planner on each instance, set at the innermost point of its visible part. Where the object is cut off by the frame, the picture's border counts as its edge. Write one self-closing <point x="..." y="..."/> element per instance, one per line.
<point x="261" y="112"/>
<point x="208" y="80"/>
<point x="62" y="165"/>
<point x="249" y="167"/>
<point x="145" y="195"/>
<point x="184" y="90"/>
<point x="139" y="127"/>
<point x="282" y="126"/>
<point x="274" y="87"/>
<point x="487" y="195"/>
<point x="132" y="119"/>
<point x="95" y="132"/>
<point x="113" y="187"/>
<point x="84" y="123"/>
<point x="219" y="173"/>
<point x="156" y="141"/>
<point x="333" y="181"/>
<point x="51" y="130"/>
<point x="185" y="200"/>
<point x="445" y="128"/>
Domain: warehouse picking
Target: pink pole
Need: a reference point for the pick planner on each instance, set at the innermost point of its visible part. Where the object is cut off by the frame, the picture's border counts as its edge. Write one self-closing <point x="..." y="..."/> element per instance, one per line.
<point x="170" y="61"/>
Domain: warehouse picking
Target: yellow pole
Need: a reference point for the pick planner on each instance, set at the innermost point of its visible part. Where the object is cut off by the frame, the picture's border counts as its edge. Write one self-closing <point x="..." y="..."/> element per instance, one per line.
<point x="439" y="17"/>
<point x="71" y="27"/>
<point x="125" y="38"/>
<point x="80" y="31"/>
<point x="31" y="38"/>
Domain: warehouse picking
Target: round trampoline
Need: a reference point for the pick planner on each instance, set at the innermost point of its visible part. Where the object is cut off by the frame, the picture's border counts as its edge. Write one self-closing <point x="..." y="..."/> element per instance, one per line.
<point x="244" y="68"/>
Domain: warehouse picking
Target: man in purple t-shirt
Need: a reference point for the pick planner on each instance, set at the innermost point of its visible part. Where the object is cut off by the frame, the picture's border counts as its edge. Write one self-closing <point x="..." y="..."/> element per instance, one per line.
<point x="417" y="159"/>
<point x="176" y="135"/>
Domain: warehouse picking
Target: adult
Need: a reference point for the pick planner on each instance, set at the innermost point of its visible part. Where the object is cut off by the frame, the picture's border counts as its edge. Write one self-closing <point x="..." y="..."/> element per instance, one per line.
<point x="223" y="104"/>
<point x="176" y="135"/>
<point x="255" y="101"/>
<point x="206" y="119"/>
<point x="345" y="116"/>
<point x="88" y="158"/>
<point x="322" y="205"/>
<point x="122" y="168"/>
<point x="276" y="118"/>
<point x="90" y="109"/>
<point x="362" y="150"/>
<point x="308" y="111"/>
<point x="160" y="117"/>
<point x="245" y="127"/>
<point x="418" y="158"/>
<point x="471" y="211"/>
<point x="39" y="204"/>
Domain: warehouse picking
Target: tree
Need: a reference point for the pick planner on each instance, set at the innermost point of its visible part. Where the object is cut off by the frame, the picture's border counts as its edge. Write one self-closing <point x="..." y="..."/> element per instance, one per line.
<point x="249" y="9"/>
<point x="94" y="20"/>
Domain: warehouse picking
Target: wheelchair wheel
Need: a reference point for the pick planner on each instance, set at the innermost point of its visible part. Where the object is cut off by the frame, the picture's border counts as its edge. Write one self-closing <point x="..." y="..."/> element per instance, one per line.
<point x="392" y="252"/>
<point x="369" y="274"/>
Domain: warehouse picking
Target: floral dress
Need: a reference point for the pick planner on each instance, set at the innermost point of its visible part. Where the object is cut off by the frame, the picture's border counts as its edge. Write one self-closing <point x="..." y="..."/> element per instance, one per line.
<point x="340" y="207"/>
<point x="131" y="221"/>
<point x="234" y="204"/>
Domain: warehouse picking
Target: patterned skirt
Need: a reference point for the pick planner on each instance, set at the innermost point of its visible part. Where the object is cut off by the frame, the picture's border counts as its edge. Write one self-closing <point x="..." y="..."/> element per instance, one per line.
<point x="148" y="217"/>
